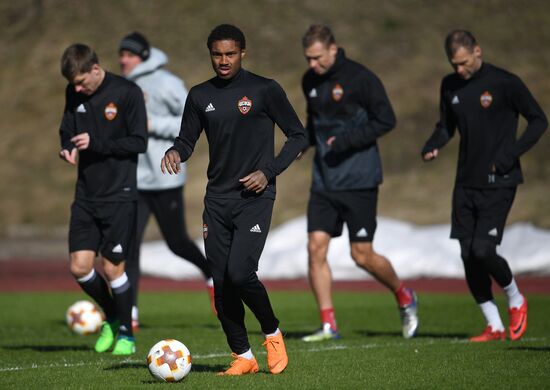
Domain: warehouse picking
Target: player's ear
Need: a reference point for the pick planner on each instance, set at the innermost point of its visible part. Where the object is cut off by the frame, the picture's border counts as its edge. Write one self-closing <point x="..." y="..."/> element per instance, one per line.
<point x="477" y="51"/>
<point x="243" y="53"/>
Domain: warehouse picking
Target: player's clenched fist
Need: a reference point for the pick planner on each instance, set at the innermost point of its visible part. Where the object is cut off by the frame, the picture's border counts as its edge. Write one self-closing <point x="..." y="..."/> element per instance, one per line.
<point x="171" y="162"/>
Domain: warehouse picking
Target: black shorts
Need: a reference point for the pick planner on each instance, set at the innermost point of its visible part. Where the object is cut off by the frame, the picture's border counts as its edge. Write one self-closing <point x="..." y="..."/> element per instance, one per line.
<point x="235" y="231"/>
<point x="481" y="213"/>
<point x="327" y="212"/>
<point x="105" y="227"/>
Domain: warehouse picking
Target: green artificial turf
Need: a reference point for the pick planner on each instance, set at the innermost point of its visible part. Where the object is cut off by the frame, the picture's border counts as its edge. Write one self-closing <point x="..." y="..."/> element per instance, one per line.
<point x="39" y="351"/>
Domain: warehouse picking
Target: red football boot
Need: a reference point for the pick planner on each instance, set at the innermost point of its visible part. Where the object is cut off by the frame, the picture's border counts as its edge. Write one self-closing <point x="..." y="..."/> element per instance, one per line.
<point x="489" y="335"/>
<point x="518" y="320"/>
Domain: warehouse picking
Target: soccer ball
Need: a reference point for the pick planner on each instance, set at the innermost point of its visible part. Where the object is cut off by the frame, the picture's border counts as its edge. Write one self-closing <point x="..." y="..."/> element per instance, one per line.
<point x="83" y="317"/>
<point x="169" y="360"/>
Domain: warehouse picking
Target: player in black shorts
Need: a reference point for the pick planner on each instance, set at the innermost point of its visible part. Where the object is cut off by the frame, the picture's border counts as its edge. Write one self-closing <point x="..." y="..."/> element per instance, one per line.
<point x="105" y="125"/>
<point x="238" y="110"/>
<point x="347" y="110"/>
<point x="484" y="102"/>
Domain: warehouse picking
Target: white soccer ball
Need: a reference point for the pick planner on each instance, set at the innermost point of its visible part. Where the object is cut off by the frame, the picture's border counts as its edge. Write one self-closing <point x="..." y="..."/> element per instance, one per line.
<point x="169" y="360"/>
<point x="83" y="317"/>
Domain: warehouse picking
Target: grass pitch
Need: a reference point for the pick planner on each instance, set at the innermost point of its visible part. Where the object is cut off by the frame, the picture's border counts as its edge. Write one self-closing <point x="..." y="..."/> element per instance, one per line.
<point x="38" y="351"/>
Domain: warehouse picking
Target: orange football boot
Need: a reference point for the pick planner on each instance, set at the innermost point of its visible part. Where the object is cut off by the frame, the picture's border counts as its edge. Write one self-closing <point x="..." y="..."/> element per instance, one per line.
<point x="489" y="335"/>
<point x="241" y="366"/>
<point x="518" y="320"/>
<point x="277" y="358"/>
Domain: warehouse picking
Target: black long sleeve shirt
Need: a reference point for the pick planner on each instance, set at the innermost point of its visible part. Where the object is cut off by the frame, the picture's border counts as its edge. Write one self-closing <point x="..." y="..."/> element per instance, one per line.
<point x="115" y="118"/>
<point x="486" y="108"/>
<point x="238" y="117"/>
<point x="350" y="103"/>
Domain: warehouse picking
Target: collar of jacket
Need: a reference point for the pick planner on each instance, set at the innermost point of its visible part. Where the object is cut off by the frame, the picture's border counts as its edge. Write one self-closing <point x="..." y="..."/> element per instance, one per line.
<point x="224" y="83"/>
<point x="483" y="69"/>
<point x="338" y="62"/>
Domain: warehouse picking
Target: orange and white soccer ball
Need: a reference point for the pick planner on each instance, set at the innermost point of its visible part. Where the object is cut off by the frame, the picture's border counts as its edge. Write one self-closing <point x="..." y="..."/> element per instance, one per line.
<point x="169" y="360"/>
<point x="83" y="317"/>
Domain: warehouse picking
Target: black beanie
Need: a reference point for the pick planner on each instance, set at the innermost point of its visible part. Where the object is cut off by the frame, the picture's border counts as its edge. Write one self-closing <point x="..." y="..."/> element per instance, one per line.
<point x="137" y="44"/>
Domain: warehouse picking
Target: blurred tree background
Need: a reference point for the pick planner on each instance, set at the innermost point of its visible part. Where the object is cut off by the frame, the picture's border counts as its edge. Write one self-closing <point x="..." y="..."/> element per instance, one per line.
<point x="401" y="41"/>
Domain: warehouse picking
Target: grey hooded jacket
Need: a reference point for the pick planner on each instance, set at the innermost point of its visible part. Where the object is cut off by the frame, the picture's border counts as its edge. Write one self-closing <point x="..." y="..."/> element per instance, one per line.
<point x="165" y="96"/>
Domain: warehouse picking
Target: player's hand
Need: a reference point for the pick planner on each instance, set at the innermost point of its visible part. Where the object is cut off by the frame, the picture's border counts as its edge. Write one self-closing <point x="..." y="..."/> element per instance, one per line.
<point x="70" y="157"/>
<point x="331" y="140"/>
<point x="82" y="141"/>
<point x="256" y="181"/>
<point x="171" y="162"/>
<point x="430" y="155"/>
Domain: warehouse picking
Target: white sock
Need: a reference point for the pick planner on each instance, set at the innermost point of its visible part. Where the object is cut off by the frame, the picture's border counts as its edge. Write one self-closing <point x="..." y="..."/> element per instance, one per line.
<point x="515" y="299"/>
<point x="210" y="282"/>
<point x="277" y="331"/>
<point x="247" y="355"/>
<point x="87" y="277"/>
<point x="134" y="313"/>
<point x="490" y="312"/>
<point x="118" y="282"/>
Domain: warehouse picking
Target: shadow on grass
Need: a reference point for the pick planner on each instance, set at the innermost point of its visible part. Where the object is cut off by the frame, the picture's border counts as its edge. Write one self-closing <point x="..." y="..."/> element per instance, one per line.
<point x="141" y="366"/>
<point x="291" y="335"/>
<point x="373" y="333"/>
<point x="533" y="349"/>
<point x="125" y="365"/>
<point x="199" y="326"/>
<point x="421" y="335"/>
<point x="49" y="348"/>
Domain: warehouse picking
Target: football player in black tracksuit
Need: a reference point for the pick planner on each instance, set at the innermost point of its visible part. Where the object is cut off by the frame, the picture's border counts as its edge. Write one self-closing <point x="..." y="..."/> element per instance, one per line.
<point x="484" y="102"/>
<point x="105" y="123"/>
<point x="347" y="110"/>
<point x="237" y="110"/>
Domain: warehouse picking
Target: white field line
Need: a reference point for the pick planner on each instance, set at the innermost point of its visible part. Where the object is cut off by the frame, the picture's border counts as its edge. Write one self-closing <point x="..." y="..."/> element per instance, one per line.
<point x="320" y="348"/>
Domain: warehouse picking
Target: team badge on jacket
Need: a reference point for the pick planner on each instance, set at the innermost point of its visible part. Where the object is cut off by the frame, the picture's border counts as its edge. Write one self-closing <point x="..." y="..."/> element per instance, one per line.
<point x="337" y="92"/>
<point x="204" y="230"/>
<point x="486" y="99"/>
<point x="110" y="111"/>
<point x="244" y="105"/>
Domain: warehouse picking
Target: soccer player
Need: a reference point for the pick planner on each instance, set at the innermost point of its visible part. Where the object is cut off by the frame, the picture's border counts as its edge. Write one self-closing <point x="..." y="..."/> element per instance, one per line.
<point x="484" y="102"/>
<point x="103" y="129"/>
<point x="238" y="110"/>
<point x="159" y="194"/>
<point x="347" y="110"/>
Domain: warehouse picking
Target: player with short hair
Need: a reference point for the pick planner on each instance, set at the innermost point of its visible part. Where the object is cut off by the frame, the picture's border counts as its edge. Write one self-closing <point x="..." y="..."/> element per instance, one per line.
<point x="158" y="194"/>
<point x="484" y="103"/>
<point x="238" y="110"/>
<point x="104" y="124"/>
<point x="347" y="110"/>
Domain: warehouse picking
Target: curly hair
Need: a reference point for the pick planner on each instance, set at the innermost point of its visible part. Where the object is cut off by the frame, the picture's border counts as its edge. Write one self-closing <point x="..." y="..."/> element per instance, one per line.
<point x="226" y="32"/>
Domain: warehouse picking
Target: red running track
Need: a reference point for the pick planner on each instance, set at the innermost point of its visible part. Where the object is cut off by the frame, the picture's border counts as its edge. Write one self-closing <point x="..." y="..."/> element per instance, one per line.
<point x="20" y="275"/>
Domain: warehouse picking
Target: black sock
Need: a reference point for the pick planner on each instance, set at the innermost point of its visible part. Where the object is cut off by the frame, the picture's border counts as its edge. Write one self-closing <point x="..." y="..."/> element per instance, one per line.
<point x="122" y="296"/>
<point x="96" y="287"/>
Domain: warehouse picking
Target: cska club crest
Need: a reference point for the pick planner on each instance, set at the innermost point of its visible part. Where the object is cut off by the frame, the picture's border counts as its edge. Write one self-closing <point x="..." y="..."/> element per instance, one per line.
<point x="244" y="105"/>
<point x="204" y="231"/>
<point x="486" y="99"/>
<point x="337" y="92"/>
<point x="110" y="111"/>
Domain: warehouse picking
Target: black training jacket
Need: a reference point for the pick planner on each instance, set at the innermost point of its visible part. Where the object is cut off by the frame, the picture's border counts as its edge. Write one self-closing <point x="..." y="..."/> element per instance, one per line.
<point x="485" y="108"/>
<point x="115" y="118"/>
<point x="350" y="103"/>
<point x="238" y="117"/>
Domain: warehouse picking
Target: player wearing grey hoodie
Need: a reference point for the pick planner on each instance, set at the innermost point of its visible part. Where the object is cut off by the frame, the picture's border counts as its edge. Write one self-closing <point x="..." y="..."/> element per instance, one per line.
<point x="162" y="195"/>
